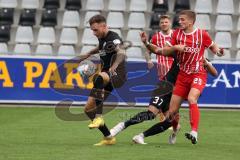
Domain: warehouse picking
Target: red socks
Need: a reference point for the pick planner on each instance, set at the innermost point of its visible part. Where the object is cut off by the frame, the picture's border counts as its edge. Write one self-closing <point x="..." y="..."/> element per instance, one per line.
<point x="194" y="115"/>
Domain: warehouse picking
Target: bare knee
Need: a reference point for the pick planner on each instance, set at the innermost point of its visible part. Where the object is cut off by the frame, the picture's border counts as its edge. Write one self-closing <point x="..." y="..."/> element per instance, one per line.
<point x="192" y="99"/>
<point x="105" y="77"/>
<point x="153" y="109"/>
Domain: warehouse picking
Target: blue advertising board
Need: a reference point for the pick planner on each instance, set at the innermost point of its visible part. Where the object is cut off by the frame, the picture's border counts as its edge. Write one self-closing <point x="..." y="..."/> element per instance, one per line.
<point x="52" y="80"/>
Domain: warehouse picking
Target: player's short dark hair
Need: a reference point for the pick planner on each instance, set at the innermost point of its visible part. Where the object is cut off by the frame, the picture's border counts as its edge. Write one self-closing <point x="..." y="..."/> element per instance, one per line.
<point x="190" y="14"/>
<point x="97" y="19"/>
<point x="165" y="17"/>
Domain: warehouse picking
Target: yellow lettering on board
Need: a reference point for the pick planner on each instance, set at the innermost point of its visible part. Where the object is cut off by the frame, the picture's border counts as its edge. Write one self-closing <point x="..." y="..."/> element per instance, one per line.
<point x="52" y="74"/>
<point x="33" y="70"/>
<point x="4" y="75"/>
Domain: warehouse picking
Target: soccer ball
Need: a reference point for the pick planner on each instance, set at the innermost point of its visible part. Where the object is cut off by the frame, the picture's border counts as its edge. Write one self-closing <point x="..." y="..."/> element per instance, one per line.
<point x="86" y="68"/>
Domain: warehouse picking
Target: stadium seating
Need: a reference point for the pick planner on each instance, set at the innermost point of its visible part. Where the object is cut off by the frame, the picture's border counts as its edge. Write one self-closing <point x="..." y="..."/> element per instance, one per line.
<point x="3" y="48"/>
<point x="238" y="42"/>
<point x="115" y="19"/>
<point x="95" y="5"/>
<point x="203" y="6"/>
<point x="203" y="21"/>
<point x="8" y="3"/>
<point x="44" y="49"/>
<point x="133" y="36"/>
<point x="4" y="33"/>
<point x="238" y="24"/>
<point x="160" y="6"/>
<point x="71" y="18"/>
<point x="154" y="23"/>
<point x="225" y="7"/>
<point x="134" y="52"/>
<point x="30" y="4"/>
<point x="69" y="36"/>
<point x="136" y="5"/>
<point x="181" y="4"/>
<point x="46" y="35"/>
<point x="117" y="5"/>
<point x="238" y="55"/>
<point x="88" y="37"/>
<point x="49" y="17"/>
<point x="6" y="16"/>
<point x="24" y="34"/>
<point x="86" y="48"/>
<point x="51" y="4"/>
<point x="73" y="5"/>
<point x="44" y="27"/>
<point x="224" y="23"/>
<point x="66" y="50"/>
<point x="223" y="39"/>
<point x="27" y="17"/>
<point x="22" y="49"/>
<point x="87" y="16"/>
<point x="136" y="20"/>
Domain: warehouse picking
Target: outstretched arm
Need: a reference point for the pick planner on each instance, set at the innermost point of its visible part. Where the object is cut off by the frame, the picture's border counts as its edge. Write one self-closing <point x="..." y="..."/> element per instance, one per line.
<point x="166" y="51"/>
<point x="88" y="54"/>
<point x="148" y="59"/>
<point x="216" y="50"/>
<point x="210" y="68"/>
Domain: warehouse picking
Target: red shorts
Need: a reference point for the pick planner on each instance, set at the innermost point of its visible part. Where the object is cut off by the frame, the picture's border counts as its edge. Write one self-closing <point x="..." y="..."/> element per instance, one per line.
<point x="187" y="81"/>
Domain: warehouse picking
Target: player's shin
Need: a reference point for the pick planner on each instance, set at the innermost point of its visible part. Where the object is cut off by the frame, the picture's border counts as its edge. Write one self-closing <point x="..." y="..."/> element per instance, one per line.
<point x="158" y="128"/>
<point x="97" y="93"/>
<point x="194" y="115"/>
<point x="140" y="117"/>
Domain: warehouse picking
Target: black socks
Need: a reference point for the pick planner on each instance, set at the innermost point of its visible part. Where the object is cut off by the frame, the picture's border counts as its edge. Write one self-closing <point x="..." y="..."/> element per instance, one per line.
<point x="158" y="128"/>
<point x="140" y="117"/>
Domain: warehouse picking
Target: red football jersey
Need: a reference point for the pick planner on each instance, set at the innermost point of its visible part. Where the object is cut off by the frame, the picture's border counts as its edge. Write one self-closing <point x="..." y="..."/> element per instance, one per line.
<point x="191" y="60"/>
<point x="164" y="63"/>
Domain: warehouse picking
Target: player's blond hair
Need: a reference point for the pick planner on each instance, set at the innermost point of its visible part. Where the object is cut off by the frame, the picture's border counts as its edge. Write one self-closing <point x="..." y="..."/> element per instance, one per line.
<point x="164" y="17"/>
<point x="190" y="14"/>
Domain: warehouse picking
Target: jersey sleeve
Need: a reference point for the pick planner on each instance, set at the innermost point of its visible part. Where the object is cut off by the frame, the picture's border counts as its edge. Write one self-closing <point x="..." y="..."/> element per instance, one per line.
<point x="173" y="40"/>
<point x="207" y="40"/>
<point x="116" y="39"/>
<point x="154" y="39"/>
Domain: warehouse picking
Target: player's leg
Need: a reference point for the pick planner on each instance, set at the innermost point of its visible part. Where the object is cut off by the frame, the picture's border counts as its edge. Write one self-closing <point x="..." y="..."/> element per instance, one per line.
<point x="138" y="118"/>
<point x="156" y="103"/>
<point x="176" y="128"/>
<point x="194" y="114"/>
<point x="197" y="86"/>
<point x="155" y="129"/>
<point x="99" y="83"/>
<point x="162" y="126"/>
<point x="97" y="94"/>
<point x="90" y="110"/>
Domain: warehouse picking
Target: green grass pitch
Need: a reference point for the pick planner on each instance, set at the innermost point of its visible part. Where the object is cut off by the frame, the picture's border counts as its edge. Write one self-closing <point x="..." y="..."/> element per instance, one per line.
<point x="37" y="134"/>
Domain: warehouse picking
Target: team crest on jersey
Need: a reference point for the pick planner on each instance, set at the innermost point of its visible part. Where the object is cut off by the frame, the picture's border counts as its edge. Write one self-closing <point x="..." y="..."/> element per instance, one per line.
<point x="197" y="43"/>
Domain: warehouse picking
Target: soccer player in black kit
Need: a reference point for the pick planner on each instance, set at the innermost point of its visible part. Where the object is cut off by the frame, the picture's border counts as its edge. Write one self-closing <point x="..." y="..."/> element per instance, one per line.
<point x="112" y="74"/>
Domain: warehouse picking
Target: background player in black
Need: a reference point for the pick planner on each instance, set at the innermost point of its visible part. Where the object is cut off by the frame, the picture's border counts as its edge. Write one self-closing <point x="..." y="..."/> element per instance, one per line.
<point x="112" y="55"/>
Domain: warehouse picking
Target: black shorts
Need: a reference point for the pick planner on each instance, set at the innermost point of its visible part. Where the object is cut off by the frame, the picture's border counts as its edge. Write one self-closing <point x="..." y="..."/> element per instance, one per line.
<point x="161" y="96"/>
<point x="161" y="102"/>
<point x="119" y="79"/>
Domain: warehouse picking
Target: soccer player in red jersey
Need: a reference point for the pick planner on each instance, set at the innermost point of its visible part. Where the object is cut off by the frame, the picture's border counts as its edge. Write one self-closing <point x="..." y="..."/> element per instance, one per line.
<point x="189" y="44"/>
<point x="160" y="39"/>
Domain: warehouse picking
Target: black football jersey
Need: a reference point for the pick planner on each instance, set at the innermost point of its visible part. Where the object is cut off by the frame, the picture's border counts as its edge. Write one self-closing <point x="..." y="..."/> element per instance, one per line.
<point x="107" y="49"/>
<point x="171" y="76"/>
